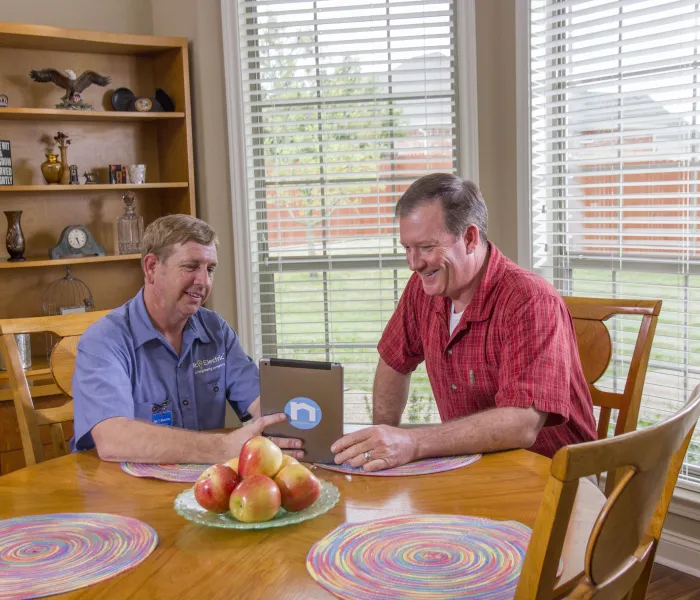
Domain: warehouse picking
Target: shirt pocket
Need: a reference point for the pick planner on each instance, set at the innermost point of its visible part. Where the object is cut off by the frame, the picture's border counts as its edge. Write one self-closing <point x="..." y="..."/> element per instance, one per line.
<point x="211" y="386"/>
<point x="151" y="399"/>
<point x="210" y="390"/>
<point x="482" y="381"/>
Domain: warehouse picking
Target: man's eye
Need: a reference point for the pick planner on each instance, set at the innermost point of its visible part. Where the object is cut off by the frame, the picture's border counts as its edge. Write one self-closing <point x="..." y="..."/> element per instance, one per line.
<point x="427" y="248"/>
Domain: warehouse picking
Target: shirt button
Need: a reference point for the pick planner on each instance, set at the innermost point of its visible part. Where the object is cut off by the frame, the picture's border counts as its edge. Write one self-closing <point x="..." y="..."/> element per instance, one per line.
<point x="185" y="402"/>
<point x="216" y="388"/>
<point x="454" y="386"/>
<point x="449" y="351"/>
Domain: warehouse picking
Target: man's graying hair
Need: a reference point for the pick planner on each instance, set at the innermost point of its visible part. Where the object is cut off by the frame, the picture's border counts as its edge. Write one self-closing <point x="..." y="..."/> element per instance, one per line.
<point x="165" y="232"/>
<point x="462" y="203"/>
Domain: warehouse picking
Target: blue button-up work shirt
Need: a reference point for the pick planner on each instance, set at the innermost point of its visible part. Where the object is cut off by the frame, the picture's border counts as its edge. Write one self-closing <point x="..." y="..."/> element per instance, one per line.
<point x="126" y="368"/>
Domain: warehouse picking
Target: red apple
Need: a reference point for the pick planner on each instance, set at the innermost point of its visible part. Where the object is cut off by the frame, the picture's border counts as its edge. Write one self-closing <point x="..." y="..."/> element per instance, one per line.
<point x="288" y="460"/>
<point x="299" y="487"/>
<point x="233" y="463"/>
<point x="213" y="488"/>
<point x="255" y="499"/>
<point x="259" y="456"/>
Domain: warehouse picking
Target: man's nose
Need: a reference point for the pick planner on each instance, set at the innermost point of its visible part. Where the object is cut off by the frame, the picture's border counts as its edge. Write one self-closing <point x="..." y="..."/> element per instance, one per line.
<point x="415" y="263"/>
<point x="202" y="276"/>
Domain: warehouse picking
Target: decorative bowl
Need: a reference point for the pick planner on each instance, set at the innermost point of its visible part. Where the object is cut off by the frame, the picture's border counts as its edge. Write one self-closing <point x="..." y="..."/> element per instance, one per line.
<point x="186" y="506"/>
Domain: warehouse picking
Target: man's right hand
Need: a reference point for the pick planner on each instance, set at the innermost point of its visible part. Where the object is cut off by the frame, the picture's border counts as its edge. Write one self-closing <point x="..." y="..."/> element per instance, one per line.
<point x="241" y="436"/>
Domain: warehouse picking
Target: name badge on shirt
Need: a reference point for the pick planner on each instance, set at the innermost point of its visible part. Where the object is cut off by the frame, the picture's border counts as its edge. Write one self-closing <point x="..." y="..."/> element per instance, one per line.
<point x="163" y="418"/>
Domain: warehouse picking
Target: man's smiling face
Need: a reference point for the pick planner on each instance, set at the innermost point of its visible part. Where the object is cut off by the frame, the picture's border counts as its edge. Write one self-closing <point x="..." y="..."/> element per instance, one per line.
<point x="445" y="262"/>
<point x="183" y="282"/>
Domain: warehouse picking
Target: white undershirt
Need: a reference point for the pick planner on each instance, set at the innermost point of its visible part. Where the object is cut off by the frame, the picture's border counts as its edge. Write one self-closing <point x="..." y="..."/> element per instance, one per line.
<point x="454" y="318"/>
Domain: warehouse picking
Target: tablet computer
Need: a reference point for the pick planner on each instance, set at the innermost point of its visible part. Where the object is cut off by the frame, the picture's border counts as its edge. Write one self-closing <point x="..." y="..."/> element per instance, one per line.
<point x="310" y="393"/>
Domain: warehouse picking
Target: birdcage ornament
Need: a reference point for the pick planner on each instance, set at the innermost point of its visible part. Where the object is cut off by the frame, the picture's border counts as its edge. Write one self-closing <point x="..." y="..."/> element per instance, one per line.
<point x="65" y="296"/>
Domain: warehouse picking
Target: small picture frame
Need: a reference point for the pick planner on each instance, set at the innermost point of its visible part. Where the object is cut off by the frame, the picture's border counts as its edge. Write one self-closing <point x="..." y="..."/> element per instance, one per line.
<point x="74" y="180"/>
<point x="6" y="173"/>
<point x="4" y="101"/>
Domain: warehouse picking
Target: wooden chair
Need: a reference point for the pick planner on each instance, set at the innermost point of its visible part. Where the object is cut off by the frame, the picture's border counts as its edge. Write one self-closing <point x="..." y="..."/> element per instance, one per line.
<point x="69" y="328"/>
<point x="623" y="542"/>
<point x="595" y="349"/>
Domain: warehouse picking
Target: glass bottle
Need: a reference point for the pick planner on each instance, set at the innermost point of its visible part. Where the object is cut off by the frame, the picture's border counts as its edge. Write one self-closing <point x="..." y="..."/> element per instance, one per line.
<point x="129" y="226"/>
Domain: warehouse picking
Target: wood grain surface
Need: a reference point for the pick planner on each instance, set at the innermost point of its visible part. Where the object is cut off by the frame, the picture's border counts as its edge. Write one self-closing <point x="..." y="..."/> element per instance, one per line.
<point x="194" y="561"/>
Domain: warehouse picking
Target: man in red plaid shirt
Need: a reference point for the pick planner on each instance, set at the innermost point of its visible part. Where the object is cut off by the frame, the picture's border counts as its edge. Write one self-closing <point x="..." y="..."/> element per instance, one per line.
<point x="498" y="343"/>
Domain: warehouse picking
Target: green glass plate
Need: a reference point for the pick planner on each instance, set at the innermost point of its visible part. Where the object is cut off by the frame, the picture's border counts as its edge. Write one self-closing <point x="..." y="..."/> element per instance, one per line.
<point x="187" y="506"/>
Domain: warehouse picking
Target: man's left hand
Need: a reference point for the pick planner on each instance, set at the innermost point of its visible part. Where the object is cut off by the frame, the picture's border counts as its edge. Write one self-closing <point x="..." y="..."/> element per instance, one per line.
<point x="375" y="448"/>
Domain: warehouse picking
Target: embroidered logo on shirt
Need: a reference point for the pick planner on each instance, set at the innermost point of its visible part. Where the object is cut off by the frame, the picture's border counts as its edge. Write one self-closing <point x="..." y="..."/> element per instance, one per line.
<point x="208" y="364"/>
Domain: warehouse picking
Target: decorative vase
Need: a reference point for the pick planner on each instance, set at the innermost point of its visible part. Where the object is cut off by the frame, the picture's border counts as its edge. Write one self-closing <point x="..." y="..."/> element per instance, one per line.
<point x="14" y="242"/>
<point x="65" y="176"/>
<point x="51" y="169"/>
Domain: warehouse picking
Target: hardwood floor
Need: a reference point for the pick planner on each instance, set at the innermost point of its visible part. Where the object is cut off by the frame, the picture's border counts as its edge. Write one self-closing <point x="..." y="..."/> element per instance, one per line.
<point x="669" y="584"/>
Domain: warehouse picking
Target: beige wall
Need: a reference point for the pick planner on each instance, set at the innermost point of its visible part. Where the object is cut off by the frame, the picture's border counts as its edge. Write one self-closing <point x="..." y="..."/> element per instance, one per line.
<point x="495" y="47"/>
<point x="200" y="21"/>
<point x="114" y="16"/>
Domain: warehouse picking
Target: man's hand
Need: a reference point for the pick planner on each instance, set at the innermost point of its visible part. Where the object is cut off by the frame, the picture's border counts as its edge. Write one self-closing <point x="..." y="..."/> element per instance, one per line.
<point x="385" y="446"/>
<point x="241" y="436"/>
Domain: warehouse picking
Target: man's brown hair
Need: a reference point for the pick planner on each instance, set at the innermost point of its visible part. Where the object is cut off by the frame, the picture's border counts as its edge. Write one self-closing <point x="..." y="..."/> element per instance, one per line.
<point x="461" y="199"/>
<point x="165" y="232"/>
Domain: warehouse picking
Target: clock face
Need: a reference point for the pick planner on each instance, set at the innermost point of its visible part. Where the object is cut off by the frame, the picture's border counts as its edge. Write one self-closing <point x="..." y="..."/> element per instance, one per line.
<point x="77" y="238"/>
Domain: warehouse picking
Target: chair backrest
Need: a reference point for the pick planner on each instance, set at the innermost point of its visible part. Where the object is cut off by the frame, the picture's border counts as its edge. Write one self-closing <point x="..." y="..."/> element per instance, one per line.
<point x="595" y="349"/>
<point x="62" y="363"/>
<point x="621" y="548"/>
<point x="70" y="328"/>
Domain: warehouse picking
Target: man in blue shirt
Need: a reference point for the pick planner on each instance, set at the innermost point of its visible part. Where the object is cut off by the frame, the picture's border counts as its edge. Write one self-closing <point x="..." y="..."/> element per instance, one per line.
<point x="155" y="373"/>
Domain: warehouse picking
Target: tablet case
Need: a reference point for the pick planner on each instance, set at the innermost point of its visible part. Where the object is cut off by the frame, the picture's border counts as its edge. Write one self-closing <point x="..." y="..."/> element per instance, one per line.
<point x="311" y="394"/>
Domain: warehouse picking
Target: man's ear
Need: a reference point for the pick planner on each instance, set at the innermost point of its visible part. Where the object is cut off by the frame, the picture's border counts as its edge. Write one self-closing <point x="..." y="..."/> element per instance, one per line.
<point x="150" y="262"/>
<point x="471" y="238"/>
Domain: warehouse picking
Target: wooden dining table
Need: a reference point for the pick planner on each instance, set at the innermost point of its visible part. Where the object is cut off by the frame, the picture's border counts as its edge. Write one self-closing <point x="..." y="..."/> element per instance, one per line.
<point x="196" y="561"/>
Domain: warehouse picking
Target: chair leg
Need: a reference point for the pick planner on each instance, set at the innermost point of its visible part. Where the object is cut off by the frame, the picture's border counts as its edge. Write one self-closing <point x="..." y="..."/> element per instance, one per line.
<point x="639" y="591"/>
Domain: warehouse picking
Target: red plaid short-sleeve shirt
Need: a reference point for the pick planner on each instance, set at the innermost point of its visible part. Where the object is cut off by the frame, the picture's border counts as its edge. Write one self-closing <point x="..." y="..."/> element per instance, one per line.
<point x="515" y="345"/>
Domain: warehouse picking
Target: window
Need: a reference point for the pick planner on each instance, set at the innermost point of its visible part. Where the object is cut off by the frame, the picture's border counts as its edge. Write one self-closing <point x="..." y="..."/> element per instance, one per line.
<point x="614" y="180"/>
<point x="344" y="104"/>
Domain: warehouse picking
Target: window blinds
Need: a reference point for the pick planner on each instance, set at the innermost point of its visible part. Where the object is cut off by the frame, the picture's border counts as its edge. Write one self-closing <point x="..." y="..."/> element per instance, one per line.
<point x="614" y="125"/>
<point x="345" y="103"/>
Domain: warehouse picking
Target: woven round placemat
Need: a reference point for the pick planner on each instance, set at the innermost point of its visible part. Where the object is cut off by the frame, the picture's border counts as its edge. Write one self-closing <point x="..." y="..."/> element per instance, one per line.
<point x="183" y="473"/>
<point x="44" y="555"/>
<point x="421" y="556"/>
<point x="419" y="467"/>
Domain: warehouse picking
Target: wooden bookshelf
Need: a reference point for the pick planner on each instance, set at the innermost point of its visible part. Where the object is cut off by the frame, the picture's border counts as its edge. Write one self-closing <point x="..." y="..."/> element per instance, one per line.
<point x="162" y="141"/>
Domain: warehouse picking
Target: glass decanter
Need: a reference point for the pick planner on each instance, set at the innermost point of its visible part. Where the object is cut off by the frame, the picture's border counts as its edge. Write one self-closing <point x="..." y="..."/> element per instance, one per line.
<point x="129" y="226"/>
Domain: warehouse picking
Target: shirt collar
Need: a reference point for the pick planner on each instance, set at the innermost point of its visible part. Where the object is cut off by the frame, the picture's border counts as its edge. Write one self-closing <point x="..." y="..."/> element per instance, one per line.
<point x="481" y="305"/>
<point x="143" y="330"/>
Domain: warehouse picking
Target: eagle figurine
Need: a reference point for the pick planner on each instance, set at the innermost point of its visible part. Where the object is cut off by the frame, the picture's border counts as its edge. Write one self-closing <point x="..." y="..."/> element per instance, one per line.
<point x="72" y="84"/>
